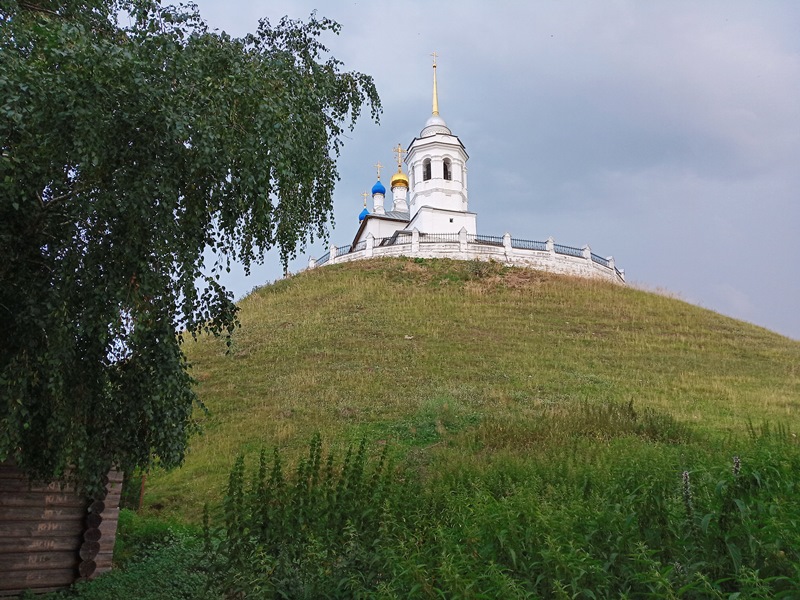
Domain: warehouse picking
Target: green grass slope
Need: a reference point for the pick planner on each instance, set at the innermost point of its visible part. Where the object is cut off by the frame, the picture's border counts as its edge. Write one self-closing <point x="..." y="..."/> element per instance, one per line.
<point x="460" y="365"/>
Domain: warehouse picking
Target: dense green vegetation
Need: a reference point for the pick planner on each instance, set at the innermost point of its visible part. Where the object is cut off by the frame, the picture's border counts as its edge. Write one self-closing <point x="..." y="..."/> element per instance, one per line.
<point x="524" y="436"/>
<point x="135" y="143"/>
<point x="625" y="526"/>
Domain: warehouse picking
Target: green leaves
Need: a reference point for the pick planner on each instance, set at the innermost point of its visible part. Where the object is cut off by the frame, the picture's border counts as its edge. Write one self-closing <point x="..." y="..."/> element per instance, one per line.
<point x="126" y="152"/>
<point x="301" y="538"/>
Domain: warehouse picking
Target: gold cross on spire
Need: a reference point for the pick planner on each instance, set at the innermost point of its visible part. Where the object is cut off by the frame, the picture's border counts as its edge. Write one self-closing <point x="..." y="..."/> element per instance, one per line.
<point x="378" y="166"/>
<point x="365" y="195"/>
<point x="399" y="151"/>
<point x="435" y="92"/>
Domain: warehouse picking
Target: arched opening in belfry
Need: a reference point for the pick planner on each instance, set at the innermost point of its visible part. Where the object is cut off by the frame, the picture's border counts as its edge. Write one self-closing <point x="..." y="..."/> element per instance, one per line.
<point x="448" y="170"/>
<point x="426" y="169"/>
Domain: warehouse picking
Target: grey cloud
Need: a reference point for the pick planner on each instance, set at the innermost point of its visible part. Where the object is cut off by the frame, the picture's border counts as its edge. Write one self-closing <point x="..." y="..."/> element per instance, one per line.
<point x="662" y="132"/>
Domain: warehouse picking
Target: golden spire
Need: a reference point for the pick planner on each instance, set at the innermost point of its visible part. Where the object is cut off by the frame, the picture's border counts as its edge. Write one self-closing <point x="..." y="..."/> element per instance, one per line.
<point x="435" y="93"/>
<point x="378" y="166"/>
<point x="399" y="151"/>
<point x="365" y="195"/>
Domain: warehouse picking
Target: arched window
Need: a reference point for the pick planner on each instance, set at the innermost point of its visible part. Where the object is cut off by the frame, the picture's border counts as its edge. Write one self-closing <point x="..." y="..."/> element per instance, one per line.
<point x="448" y="169"/>
<point x="426" y="169"/>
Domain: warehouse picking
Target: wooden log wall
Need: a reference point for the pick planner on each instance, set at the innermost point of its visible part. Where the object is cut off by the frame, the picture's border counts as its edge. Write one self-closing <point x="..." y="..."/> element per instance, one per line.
<point x="50" y="536"/>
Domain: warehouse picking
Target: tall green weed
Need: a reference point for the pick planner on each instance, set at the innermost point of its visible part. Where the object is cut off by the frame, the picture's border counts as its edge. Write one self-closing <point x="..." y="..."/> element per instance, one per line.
<point x="639" y="527"/>
<point x="653" y="522"/>
<point x="310" y="537"/>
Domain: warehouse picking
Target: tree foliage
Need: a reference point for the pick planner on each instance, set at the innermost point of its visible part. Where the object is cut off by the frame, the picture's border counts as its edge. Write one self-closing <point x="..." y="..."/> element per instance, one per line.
<point x="133" y="140"/>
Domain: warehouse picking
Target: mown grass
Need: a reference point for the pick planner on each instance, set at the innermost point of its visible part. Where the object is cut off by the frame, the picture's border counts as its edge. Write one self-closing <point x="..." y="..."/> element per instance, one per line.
<point x="454" y="362"/>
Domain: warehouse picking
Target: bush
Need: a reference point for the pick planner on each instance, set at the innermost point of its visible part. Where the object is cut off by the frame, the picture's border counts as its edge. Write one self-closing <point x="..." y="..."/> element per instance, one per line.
<point x="635" y="527"/>
<point x="313" y="537"/>
<point x="138" y="536"/>
<point x="160" y="561"/>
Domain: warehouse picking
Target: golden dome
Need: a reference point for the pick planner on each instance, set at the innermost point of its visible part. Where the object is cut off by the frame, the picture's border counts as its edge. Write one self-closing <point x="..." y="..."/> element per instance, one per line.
<point x="399" y="179"/>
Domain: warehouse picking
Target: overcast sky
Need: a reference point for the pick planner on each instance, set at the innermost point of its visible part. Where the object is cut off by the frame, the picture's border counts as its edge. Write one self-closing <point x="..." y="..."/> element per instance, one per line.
<point x="664" y="133"/>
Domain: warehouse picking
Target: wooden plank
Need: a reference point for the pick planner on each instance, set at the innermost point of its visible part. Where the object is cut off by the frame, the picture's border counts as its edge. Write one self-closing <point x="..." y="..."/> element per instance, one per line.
<point x="14" y="582"/>
<point x="13" y="473"/>
<point x="41" y="529"/>
<point x="106" y="546"/>
<point x="39" y="590"/>
<point x="21" y="485"/>
<point x="29" y="544"/>
<point x="38" y="561"/>
<point x="112" y="500"/>
<point x="12" y="477"/>
<point x="10" y="471"/>
<point x="110" y="515"/>
<point x="45" y="498"/>
<point x="108" y="529"/>
<point x="103" y="562"/>
<point x="37" y="513"/>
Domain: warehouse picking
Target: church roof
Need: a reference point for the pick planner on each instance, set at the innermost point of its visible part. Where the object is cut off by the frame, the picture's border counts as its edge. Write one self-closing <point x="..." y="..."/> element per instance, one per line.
<point x="390" y="215"/>
<point x="399" y="179"/>
<point x="378" y="188"/>
<point x="435" y="124"/>
<point x="395" y="215"/>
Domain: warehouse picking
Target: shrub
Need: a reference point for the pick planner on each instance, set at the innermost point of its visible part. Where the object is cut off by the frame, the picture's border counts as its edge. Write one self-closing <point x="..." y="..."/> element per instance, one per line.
<point x="308" y="538"/>
<point x="636" y="527"/>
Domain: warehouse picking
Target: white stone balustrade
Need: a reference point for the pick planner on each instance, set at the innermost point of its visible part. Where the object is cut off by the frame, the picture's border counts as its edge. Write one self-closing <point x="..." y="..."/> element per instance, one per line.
<point x="544" y="256"/>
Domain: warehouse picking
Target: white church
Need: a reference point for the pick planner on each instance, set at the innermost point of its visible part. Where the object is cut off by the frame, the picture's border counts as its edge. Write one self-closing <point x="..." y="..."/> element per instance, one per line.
<point x="428" y="215"/>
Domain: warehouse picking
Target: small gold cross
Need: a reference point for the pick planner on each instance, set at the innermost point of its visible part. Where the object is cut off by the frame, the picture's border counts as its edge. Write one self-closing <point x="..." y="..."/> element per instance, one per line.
<point x="364" y="195"/>
<point x="399" y="151"/>
<point x="378" y="166"/>
<point x="434" y="55"/>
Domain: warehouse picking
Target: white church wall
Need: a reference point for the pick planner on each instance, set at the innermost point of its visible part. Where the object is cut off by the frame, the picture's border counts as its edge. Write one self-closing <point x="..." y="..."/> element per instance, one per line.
<point x="381" y="228"/>
<point x="435" y="196"/>
<point x="429" y="220"/>
<point x="447" y="194"/>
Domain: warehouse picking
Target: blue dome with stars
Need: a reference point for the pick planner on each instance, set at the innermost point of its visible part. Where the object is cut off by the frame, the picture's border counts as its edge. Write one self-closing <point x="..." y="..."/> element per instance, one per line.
<point x="363" y="215"/>
<point x="378" y="188"/>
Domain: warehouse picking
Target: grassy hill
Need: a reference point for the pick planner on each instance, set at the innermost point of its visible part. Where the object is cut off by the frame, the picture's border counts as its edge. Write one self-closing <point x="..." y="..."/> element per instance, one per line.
<point x="462" y="430"/>
<point x="465" y="367"/>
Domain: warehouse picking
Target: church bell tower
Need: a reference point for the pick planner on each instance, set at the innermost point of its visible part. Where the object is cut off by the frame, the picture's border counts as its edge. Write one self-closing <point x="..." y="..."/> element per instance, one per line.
<point x="437" y="167"/>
